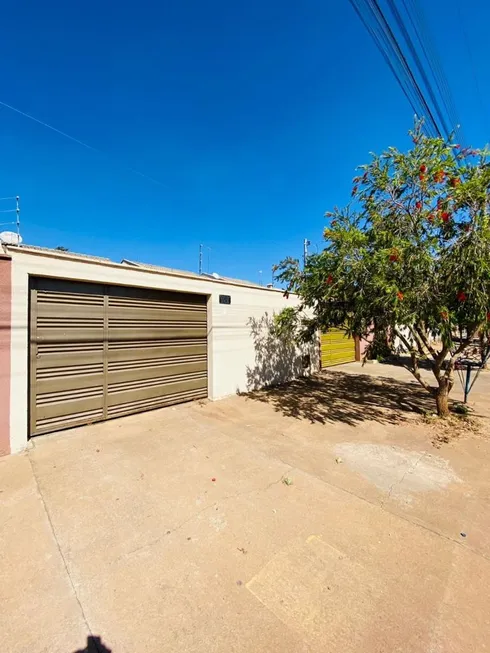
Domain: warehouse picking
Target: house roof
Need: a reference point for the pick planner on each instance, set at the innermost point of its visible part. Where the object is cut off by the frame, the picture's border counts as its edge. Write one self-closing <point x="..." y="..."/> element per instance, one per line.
<point x="215" y="276"/>
<point x="50" y="250"/>
<point x="135" y="264"/>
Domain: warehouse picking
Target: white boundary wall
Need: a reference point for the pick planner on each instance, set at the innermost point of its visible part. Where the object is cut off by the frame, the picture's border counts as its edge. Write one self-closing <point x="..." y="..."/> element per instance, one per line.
<point x="242" y="354"/>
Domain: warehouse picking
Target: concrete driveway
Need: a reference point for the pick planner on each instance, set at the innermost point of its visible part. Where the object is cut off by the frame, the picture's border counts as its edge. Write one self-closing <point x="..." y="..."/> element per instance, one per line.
<point x="323" y="517"/>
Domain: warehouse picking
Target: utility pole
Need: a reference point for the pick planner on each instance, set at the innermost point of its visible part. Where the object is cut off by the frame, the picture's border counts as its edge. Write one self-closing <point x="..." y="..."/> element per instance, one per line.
<point x="200" y="259"/>
<point x="306" y="243"/>
<point x="17" y="215"/>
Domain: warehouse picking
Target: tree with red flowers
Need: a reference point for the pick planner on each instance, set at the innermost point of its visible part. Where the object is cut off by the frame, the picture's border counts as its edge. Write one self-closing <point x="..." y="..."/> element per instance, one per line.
<point x="410" y="255"/>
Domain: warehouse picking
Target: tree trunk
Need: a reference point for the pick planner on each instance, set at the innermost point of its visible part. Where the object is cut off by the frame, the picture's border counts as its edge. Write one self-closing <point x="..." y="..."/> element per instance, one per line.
<point x="442" y="397"/>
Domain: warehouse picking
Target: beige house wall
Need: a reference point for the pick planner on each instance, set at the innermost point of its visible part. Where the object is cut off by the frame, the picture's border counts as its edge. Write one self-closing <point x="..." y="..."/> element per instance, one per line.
<point x="5" y="333"/>
<point x="242" y="352"/>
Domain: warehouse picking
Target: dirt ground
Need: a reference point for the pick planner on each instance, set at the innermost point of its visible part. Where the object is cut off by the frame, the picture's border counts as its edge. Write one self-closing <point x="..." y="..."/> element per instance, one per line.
<point x="324" y="516"/>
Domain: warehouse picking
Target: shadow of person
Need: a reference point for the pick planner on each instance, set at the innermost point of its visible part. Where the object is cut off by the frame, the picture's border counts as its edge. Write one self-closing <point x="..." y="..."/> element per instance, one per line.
<point x="94" y="645"/>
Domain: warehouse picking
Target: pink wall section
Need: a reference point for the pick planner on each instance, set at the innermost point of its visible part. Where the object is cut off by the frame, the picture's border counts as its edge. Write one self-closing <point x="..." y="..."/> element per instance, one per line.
<point x="5" y="326"/>
<point x="364" y="343"/>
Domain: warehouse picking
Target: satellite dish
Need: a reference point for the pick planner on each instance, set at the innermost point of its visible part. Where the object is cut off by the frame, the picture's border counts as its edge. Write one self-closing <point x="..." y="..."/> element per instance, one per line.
<point x="10" y="238"/>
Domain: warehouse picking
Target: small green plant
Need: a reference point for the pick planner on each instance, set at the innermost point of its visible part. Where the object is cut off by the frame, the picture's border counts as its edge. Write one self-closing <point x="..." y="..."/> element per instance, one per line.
<point x="429" y="416"/>
<point x="287" y="481"/>
<point x="460" y="409"/>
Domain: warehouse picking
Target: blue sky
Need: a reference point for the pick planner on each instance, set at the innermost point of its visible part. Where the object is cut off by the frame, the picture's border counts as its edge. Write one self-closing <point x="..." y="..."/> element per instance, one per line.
<point x="253" y="115"/>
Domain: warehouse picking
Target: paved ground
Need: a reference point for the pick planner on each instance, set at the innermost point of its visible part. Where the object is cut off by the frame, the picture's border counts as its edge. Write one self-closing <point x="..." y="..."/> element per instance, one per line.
<point x="119" y="530"/>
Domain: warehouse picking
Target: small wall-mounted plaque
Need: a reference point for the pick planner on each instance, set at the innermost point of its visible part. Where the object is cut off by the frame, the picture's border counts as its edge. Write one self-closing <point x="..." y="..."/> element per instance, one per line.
<point x="225" y="299"/>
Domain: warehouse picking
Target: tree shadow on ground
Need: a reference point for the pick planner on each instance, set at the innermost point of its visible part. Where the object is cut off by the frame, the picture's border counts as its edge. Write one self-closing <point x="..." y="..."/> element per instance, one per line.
<point x="403" y="360"/>
<point x="332" y="396"/>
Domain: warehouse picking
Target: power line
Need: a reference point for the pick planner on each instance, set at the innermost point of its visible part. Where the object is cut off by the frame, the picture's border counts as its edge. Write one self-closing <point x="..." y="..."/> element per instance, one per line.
<point x="472" y="64"/>
<point x="415" y="57"/>
<point x="415" y="65"/>
<point x="83" y="144"/>
<point x="426" y="111"/>
<point x="389" y="47"/>
<point x="419" y="24"/>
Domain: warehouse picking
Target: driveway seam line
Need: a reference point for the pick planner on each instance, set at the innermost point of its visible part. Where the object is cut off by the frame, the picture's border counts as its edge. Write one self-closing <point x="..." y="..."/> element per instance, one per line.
<point x="406" y="519"/>
<point x="379" y="505"/>
<point x="211" y="505"/>
<point x="410" y="470"/>
<point x="58" y="546"/>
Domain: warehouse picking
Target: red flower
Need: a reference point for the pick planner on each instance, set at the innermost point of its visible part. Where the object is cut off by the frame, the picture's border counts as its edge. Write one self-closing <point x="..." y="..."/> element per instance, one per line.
<point x="422" y="177"/>
<point x="439" y="176"/>
<point x="444" y="315"/>
<point x="394" y="255"/>
<point x="354" y="190"/>
<point x="329" y="280"/>
<point x="445" y="216"/>
<point x="430" y="218"/>
<point x="455" y="181"/>
<point x="461" y="296"/>
<point x="418" y="205"/>
<point x="399" y="296"/>
<point x="439" y="203"/>
<point x="423" y="168"/>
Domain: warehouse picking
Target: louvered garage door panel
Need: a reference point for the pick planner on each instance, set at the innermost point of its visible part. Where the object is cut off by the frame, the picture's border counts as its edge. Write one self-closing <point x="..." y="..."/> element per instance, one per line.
<point x="337" y="348"/>
<point x="67" y="354"/>
<point x="156" y="349"/>
<point x="99" y="352"/>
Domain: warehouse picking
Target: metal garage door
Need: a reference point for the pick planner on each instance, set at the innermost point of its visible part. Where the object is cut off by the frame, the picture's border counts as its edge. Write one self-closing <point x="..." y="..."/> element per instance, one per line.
<point x="98" y="352"/>
<point x="337" y="348"/>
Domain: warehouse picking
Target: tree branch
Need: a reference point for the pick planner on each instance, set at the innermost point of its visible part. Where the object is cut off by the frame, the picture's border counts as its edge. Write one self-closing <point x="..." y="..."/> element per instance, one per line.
<point x="463" y="345"/>
<point x="415" y="363"/>
<point x="441" y="356"/>
<point x="425" y="341"/>
<point x="398" y="204"/>
<point x="417" y="341"/>
<point x="404" y="340"/>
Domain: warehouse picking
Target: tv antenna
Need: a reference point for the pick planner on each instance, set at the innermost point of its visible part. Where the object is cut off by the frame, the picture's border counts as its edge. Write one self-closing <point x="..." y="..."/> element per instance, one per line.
<point x="200" y="257"/>
<point x="11" y="237"/>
